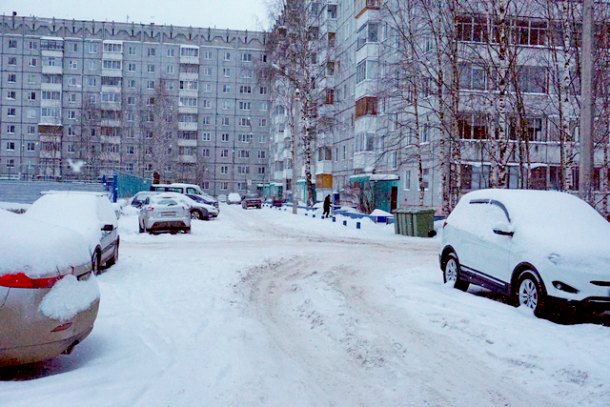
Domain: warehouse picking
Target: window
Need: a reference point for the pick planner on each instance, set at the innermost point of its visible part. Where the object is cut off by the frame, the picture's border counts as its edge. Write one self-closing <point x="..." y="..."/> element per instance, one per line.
<point x="407" y="180"/>
<point x="72" y="81"/>
<point x="31" y="129"/>
<point x="131" y="83"/>
<point x="206" y="136"/>
<point x="261" y="138"/>
<point x="151" y="52"/>
<point x="31" y="113"/>
<point x="243" y="154"/>
<point x="32" y="79"/>
<point x="11" y="95"/>
<point x="246" y="57"/>
<point x="10" y="163"/>
<point x="113" y="48"/>
<point x="12" y="60"/>
<point x="331" y="11"/>
<point x="207" y="71"/>
<point x="92" y="48"/>
<point x="12" y="43"/>
<point x="226" y="105"/>
<point x="225" y="137"/>
<point x="368" y="33"/>
<point x="366" y="70"/>
<point x="224" y="153"/>
<point x="151" y="68"/>
<point x="225" y="121"/>
<point x="224" y="169"/>
<point x="170" y="69"/>
<point x="205" y="120"/>
<point x="207" y="55"/>
<point x="92" y="82"/>
<point x="243" y="169"/>
<point x="226" y="72"/>
<point x="227" y="56"/>
<point x="171" y="52"/>
<point x="111" y="64"/>
<point x="72" y="64"/>
<point x="31" y="146"/>
<point x="205" y="153"/>
<point x="10" y="129"/>
<point x="11" y="111"/>
<point x="244" y="121"/>
<point x="32" y="95"/>
<point x="188" y="85"/>
<point x="246" y="73"/>
<point x="261" y="154"/>
<point x="33" y="45"/>
<point x="207" y="104"/>
<point x="183" y="150"/>
<point x="262" y="122"/>
<point x="224" y="185"/>
<point x="532" y="79"/>
<point x="131" y="67"/>
<point x="150" y="84"/>
<point x="366" y="106"/>
<point x="131" y="100"/>
<point x="111" y="97"/>
<point x="71" y="115"/>
<point x="187" y="101"/>
<point x="51" y="95"/>
<point x="226" y="88"/>
<point x="207" y="88"/>
<point x="245" y="89"/>
<point x="12" y="78"/>
<point x="131" y="50"/>
<point x="263" y="90"/>
<point x="244" y="138"/>
<point x="245" y="105"/>
<point x="32" y="62"/>
<point x="189" y="52"/>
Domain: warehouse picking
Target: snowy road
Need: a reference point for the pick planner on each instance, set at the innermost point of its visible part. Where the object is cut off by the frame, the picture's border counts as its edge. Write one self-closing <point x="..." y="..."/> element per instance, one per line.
<point x="264" y="308"/>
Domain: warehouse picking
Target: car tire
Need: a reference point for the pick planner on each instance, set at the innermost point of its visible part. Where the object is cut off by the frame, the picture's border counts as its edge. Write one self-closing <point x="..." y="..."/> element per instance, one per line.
<point x="141" y="228"/>
<point x="187" y="231"/>
<point x="115" y="256"/>
<point x="531" y="293"/>
<point x="451" y="273"/>
<point x="195" y="214"/>
<point x="95" y="264"/>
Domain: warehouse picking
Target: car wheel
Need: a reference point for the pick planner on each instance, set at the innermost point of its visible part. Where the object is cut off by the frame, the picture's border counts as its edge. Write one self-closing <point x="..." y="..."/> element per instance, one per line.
<point x="187" y="230"/>
<point x="95" y="264"/>
<point x="196" y="215"/>
<point x="531" y="293"/>
<point x="451" y="274"/>
<point x="115" y="256"/>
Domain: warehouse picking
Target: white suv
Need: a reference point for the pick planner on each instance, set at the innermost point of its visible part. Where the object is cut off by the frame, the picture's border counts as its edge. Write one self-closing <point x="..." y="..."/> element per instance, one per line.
<point x="546" y="250"/>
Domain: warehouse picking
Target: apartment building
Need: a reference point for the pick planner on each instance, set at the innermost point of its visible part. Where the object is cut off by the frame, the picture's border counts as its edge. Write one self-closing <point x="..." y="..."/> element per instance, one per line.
<point x="178" y="103"/>
<point x="413" y="125"/>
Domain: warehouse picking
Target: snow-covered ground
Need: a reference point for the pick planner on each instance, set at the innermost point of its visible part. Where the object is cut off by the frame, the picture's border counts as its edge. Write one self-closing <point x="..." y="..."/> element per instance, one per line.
<point x="265" y="308"/>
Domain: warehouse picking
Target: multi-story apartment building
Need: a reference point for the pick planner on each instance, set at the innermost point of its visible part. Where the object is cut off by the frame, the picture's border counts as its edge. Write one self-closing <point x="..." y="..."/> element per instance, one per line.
<point x="414" y="124"/>
<point x="181" y="103"/>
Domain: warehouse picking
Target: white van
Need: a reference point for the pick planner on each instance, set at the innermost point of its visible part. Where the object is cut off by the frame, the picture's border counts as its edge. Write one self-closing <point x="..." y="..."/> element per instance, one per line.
<point x="178" y="187"/>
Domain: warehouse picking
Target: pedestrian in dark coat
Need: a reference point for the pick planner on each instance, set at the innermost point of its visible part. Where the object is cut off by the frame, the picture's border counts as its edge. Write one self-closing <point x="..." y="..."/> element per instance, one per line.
<point x="327" y="206"/>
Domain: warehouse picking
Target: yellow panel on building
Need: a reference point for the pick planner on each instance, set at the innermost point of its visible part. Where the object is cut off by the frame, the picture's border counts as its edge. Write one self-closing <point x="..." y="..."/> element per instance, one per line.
<point x="324" y="181"/>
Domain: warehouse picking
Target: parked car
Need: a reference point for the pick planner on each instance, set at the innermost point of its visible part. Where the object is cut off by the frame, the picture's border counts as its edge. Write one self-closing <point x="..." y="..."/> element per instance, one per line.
<point x="178" y="187"/>
<point x="545" y="250"/>
<point x="49" y="302"/>
<point x="277" y="202"/>
<point x="89" y="213"/>
<point x="251" y="201"/>
<point x="206" y="199"/>
<point x="139" y="198"/>
<point x="222" y="198"/>
<point x="164" y="213"/>
<point x="233" y="199"/>
<point x="201" y="203"/>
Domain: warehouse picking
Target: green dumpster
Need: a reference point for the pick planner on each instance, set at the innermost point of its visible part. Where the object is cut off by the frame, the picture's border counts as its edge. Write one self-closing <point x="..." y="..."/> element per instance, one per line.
<point x="414" y="222"/>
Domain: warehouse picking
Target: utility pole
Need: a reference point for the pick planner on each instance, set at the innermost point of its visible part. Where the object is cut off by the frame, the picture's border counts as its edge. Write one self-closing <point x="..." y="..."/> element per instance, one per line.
<point x="585" y="183"/>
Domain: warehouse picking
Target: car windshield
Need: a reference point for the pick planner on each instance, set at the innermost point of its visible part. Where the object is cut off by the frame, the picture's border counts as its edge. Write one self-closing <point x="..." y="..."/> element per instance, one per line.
<point x="165" y="201"/>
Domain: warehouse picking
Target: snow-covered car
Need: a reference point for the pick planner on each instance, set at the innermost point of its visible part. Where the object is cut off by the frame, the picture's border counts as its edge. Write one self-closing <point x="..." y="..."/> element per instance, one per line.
<point x="48" y="299"/>
<point x="89" y="213"/>
<point x="251" y="201"/>
<point x="222" y="198"/>
<point x="200" y="207"/>
<point x="179" y="188"/>
<point x="233" y="199"/>
<point x="545" y="250"/>
<point x="138" y="199"/>
<point x="166" y="212"/>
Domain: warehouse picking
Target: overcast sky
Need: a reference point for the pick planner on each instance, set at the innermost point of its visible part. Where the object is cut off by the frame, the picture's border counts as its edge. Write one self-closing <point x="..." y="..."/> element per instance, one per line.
<point x="233" y="14"/>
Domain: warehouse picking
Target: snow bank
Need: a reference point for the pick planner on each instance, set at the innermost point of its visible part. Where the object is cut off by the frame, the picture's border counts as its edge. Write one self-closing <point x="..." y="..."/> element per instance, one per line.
<point x="37" y="249"/>
<point x="68" y="297"/>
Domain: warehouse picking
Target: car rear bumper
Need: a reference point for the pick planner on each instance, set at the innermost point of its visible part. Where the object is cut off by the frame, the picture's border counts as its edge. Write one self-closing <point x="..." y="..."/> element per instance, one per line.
<point x="168" y="225"/>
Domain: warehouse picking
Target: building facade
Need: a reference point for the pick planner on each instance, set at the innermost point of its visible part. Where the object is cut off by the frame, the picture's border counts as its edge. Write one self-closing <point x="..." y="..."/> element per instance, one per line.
<point x="80" y="100"/>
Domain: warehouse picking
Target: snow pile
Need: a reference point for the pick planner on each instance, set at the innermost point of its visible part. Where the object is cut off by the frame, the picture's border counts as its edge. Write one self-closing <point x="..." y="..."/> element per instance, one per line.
<point x="37" y="249"/>
<point x="68" y="297"/>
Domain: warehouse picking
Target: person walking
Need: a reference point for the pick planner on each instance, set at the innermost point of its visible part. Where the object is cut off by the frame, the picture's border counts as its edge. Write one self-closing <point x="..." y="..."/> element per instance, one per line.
<point x="326" y="206"/>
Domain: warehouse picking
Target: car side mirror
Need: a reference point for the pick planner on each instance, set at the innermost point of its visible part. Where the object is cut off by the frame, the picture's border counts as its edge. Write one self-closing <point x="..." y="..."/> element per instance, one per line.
<point x="504" y="229"/>
<point x="108" y="228"/>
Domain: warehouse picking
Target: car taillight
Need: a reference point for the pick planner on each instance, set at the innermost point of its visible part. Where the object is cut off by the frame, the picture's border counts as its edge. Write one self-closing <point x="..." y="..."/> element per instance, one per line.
<point x="20" y="280"/>
<point x="149" y="209"/>
<point x="444" y="224"/>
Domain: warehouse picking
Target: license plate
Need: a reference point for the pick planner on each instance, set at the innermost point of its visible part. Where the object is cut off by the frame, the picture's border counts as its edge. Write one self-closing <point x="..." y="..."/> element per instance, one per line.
<point x="168" y="214"/>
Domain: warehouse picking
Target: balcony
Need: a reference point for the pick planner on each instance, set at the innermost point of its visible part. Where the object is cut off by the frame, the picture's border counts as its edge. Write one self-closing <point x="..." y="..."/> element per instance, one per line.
<point x="110" y="139"/>
<point x="187" y="158"/>
<point x="53" y="87"/>
<point x="187" y="126"/>
<point x="187" y="93"/>
<point x="187" y="143"/>
<point x="110" y="122"/>
<point x="324" y="167"/>
<point x="187" y="109"/>
<point x="50" y="154"/>
<point x="53" y="69"/>
<point x="189" y="76"/>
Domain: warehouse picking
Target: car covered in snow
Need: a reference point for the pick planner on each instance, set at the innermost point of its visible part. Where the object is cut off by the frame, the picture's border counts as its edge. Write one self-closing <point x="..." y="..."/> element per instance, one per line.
<point x="233" y="199"/>
<point x="545" y="250"/>
<point x="200" y="207"/>
<point x="251" y="201"/>
<point x="48" y="297"/>
<point x="208" y="200"/>
<point x="165" y="212"/>
<point x="89" y="213"/>
<point x="138" y="199"/>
